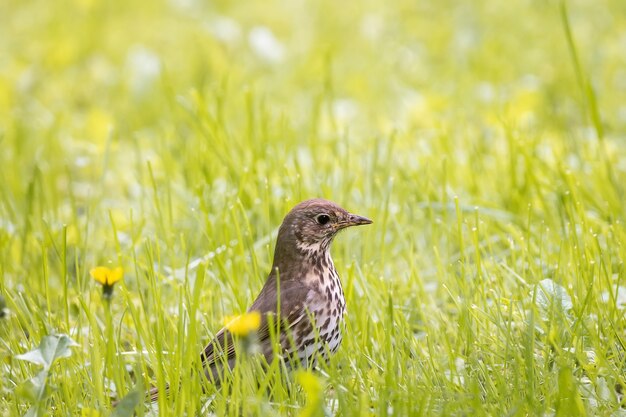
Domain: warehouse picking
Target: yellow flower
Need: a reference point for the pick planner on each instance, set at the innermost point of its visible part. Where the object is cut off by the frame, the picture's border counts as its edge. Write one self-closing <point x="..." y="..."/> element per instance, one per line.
<point x="314" y="388"/>
<point x="244" y="324"/>
<point x="89" y="412"/>
<point x="107" y="277"/>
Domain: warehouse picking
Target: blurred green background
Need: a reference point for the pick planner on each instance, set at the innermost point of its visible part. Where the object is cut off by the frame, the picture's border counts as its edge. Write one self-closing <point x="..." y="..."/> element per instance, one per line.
<point x="486" y="139"/>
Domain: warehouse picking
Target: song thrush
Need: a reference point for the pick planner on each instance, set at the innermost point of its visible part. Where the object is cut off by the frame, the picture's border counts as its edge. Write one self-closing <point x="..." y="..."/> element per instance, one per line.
<point x="302" y="296"/>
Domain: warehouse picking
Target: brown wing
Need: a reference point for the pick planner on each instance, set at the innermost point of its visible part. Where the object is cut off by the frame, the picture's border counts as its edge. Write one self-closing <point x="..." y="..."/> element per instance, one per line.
<point x="293" y="298"/>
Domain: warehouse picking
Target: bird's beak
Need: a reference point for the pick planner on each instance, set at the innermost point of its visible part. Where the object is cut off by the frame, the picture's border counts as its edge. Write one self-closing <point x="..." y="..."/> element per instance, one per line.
<point x="354" y="220"/>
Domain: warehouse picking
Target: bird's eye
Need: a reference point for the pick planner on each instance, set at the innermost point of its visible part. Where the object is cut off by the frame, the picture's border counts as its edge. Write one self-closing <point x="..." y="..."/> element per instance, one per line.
<point x="322" y="218"/>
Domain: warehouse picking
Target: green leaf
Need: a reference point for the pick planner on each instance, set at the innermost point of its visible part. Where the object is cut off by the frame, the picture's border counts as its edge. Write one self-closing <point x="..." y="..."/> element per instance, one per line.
<point x="126" y="407"/>
<point x="551" y="295"/>
<point x="33" y="356"/>
<point x="34" y="411"/>
<point x="34" y="389"/>
<point x="569" y="402"/>
<point x="51" y="348"/>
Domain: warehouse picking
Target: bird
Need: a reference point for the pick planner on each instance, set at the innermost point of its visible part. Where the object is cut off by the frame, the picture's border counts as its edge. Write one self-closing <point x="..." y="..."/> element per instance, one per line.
<point x="302" y="295"/>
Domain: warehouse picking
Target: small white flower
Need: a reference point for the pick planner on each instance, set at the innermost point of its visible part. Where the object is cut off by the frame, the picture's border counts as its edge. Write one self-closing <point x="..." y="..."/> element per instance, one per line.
<point x="143" y="67"/>
<point x="226" y="30"/>
<point x="265" y="45"/>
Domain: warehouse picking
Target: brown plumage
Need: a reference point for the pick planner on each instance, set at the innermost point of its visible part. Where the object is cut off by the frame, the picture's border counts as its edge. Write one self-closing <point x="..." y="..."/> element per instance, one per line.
<point x="311" y="298"/>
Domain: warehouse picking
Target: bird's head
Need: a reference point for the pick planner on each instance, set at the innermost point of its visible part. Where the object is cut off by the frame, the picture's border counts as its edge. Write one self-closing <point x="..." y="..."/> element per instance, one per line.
<point x="310" y="227"/>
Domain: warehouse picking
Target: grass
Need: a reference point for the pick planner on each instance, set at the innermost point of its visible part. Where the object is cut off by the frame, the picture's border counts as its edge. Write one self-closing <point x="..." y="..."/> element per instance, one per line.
<point x="170" y="138"/>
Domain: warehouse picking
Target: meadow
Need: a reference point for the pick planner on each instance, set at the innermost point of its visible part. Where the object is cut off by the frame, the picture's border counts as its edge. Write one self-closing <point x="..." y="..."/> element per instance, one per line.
<point x="486" y="140"/>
